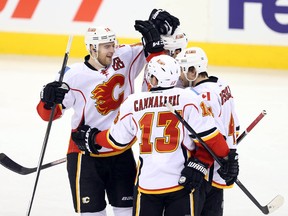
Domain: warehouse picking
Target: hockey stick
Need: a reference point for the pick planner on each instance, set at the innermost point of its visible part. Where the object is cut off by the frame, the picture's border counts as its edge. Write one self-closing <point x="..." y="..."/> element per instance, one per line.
<point x="65" y="60"/>
<point x="270" y="207"/>
<point x="15" y="167"/>
<point x="251" y="126"/>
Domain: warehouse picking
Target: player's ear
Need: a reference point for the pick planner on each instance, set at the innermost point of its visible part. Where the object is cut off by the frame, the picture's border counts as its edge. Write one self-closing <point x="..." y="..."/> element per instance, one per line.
<point x="154" y="81"/>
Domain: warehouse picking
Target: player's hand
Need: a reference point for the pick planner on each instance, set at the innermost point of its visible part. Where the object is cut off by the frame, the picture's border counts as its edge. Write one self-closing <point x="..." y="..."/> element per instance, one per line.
<point x="164" y="21"/>
<point x="230" y="169"/>
<point x="54" y="93"/>
<point x="193" y="174"/>
<point x="84" y="138"/>
<point x="150" y="36"/>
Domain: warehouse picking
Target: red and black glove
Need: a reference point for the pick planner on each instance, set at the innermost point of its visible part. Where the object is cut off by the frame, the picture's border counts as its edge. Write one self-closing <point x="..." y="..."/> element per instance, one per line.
<point x="193" y="174"/>
<point x="165" y="23"/>
<point x="54" y="93"/>
<point x="84" y="138"/>
<point x="230" y="167"/>
<point x="150" y="36"/>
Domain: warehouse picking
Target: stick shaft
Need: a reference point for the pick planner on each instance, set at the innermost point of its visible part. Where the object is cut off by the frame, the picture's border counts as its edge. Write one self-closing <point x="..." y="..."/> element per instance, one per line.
<point x="251" y="126"/>
<point x="65" y="60"/>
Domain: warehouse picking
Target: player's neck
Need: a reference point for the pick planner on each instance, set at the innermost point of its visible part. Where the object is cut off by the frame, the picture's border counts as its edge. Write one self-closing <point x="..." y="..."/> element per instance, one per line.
<point x="96" y="64"/>
<point x="199" y="79"/>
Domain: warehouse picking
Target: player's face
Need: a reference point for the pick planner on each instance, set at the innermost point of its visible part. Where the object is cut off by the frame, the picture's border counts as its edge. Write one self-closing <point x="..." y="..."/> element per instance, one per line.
<point x="177" y="51"/>
<point x="183" y="79"/>
<point x="105" y="53"/>
<point x="174" y="54"/>
<point x="190" y="75"/>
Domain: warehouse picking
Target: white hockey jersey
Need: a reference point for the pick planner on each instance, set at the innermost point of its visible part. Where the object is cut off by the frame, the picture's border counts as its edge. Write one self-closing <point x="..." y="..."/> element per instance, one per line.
<point x="218" y="97"/>
<point x="95" y="95"/>
<point x="163" y="140"/>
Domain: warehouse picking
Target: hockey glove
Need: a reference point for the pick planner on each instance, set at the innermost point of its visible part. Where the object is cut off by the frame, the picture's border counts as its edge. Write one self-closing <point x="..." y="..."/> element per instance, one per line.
<point x="84" y="138"/>
<point x="230" y="169"/>
<point x="193" y="174"/>
<point x="165" y="23"/>
<point x="150" y="36"/>
<point x="54" y="93"/>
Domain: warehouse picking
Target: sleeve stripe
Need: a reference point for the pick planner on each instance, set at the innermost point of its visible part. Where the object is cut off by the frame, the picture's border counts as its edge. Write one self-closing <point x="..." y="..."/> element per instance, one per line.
<point x="206" y="135"/>
<point x="115" y="143"/>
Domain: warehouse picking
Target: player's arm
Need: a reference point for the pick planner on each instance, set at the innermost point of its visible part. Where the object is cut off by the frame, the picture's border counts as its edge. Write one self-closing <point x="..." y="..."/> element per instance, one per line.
<point x="121" y="135"/>
<point x="90" y="140"/>
<point x="199" y="116"/>
<point x="215" y="141"/>
<point x="105" y="139"/>
<point x="196" y="168"/>
<point x="123" y="130"/>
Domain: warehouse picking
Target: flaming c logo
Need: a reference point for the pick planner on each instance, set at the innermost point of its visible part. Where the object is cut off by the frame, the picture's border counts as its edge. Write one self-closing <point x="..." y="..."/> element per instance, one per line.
<point x="108" y="95"/>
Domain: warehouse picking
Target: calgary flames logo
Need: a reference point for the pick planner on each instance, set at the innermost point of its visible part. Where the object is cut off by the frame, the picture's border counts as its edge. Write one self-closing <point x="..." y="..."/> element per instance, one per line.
<point x="108" y="95"/>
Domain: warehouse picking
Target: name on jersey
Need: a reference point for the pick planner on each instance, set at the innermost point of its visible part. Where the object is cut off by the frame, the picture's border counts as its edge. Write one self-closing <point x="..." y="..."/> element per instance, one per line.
<point x="155" y="101"/>
<point x="225" y="95"/>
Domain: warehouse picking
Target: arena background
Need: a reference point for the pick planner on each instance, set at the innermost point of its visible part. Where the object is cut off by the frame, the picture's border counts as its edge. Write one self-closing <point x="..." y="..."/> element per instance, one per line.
<point x="246" y="33"/>
<point x="246" y="43"/>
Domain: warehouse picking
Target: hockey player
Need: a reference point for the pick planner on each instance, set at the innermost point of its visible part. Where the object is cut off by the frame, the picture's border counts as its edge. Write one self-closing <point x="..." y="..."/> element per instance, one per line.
<point x="173" y="44"/>
<point x="166" y="174"/>
<point x="95" y="89"/>
<point x="218" y="97"/>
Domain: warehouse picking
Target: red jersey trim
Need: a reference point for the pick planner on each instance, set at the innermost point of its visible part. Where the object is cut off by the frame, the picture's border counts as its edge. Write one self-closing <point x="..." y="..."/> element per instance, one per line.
<point x="45" y="113"/>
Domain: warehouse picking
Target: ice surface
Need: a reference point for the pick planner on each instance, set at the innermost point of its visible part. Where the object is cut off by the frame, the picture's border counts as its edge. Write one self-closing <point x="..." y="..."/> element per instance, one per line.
<point x="263" y="153"/>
